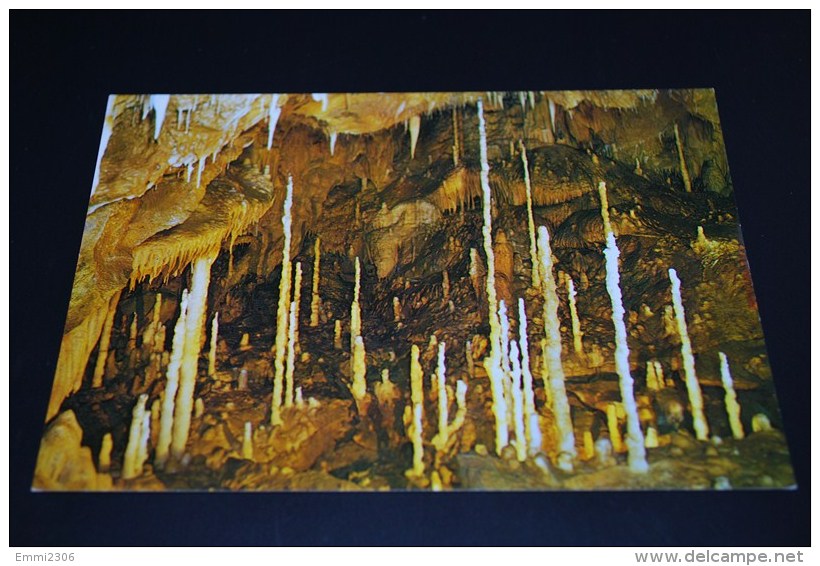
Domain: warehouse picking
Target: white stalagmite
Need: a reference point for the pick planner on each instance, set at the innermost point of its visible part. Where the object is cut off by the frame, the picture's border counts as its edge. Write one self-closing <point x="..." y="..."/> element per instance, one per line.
<point x="355" y="308"/>
<point x="297" y="298"/>
<point x="212" y="350"/>
<point x="730" y="399"/>
<point x="108" y="129"/>
<point x="652" y="383"/>
<point x="290" y="358"/>
<point x="492" y="364"/>
<point x="194" y="326"/>
<point x="247" y="442"/>
<point x="105" y="341"/>
<point x="441" y="386"/>
<point x="552" y="354"/>
<point x="273" y="118"/>
<point x="468" y="354"/>
<point x="396" y="309"/>
<point x="282" y="312"/>
<point x="315" y="301"/>
<point x="359" y="368"/>
<point x="532" y="431"/>
<point x="337" y="334"/>
<point x="166" y="421"/>
<point x="160" y="104"/>
<point x="145" y="438"/>
<point x="130" y="468"/>
<point x="634" y="436"/>
<point x="692" y="385"/>
<point x="684" y="171"/>
<point x="521" y="444"/>
<point x="536" y="277"/>
<point x="455" y="137"/>
<point x="577" y="333"/>
<point x="415" y="126"/>
<point x="417" y="400"/>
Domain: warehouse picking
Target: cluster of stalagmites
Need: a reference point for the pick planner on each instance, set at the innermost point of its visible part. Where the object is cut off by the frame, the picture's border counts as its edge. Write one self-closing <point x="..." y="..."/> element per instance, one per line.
<point x="542" y="433"/>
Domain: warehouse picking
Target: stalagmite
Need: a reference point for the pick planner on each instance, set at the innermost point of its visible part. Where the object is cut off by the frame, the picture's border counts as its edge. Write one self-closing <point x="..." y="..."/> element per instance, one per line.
<point x="132" y="335"/>
<point x="130" y="461"/>
<point x="212" y="350"/>
<point x="194" y="322"/>
<point x="552" y="358"/>
<point x="247" y="441"/>
<point x="315" y="301"/>
<point x="684" y="171"/>
<point x="504" y="321"/>
<point x="245" y="341"/>
<point x="730" y="399"/>
<point x="445" y="285"/>
<point x="337" y="334"/>
<point x="634" y="435"/>
<point x="441" y="387"/>
<point x="355" y="308"/>
<point x="396" y="310"/>
<point x="577" y="333"/>
<point x="536" y="276"/>
<point x="106" y="446"/>
<point x="415" y="126"/>
<point x="359" y="368"/>
<point x="761" y="423"/>
<point x="692" y="385"/>
<point x="297" y="298"/>
<point x="171" y="385"/>
<point x="532" y="431"/>
<point x="282" y="312"/>
<point x="468" y="354"/>
<point x="493" y="368"/>
<point x="614" y="429"/>
<point x="143" y="447"/>
<point x="417" y="400"/>
<point x="521" y="443"/>
<point x="273" y="117"/>
<point x="290" y="359"/>
<point x="105" y="341"/>
<point x="651" y="440"/>
<point x="455" y="137"/>
<point x="589" y="445"/>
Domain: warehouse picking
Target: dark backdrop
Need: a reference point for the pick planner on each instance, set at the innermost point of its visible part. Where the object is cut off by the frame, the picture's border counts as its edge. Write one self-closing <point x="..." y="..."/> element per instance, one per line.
<point x="63" y="65"/>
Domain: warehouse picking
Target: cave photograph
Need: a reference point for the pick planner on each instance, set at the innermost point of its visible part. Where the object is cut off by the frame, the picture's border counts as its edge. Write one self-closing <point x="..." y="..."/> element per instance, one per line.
<point x="444" y="291"/>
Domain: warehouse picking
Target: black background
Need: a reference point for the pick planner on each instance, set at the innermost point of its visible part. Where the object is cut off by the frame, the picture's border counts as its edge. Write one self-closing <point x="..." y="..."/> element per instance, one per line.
<point x="63" y="65"/>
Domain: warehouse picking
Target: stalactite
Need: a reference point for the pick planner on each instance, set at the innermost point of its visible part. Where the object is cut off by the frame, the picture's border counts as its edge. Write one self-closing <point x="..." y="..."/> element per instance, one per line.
<point x="159" y="102"/>
<point x="315" y="301"/>
<point x="105" y="341"/>
<point x="130" y="468"/>
<point x="333" y="136"/>
<point x="166" y="422"/>
<point x="273" y="117"/>
<point x="194" y="322"/>
<point x="692" y="385"/>
<point x="212" y="349"/>
<point x="552" y="355"/>
<point x="730" y="399"/>
<point x="455" y="137"/>
<point x="634" y="435"/>
<point x="684" y="171"/>
<point x="282" y="313"/>
<point x="415" y="126"/>
<point x="536" y="276"/>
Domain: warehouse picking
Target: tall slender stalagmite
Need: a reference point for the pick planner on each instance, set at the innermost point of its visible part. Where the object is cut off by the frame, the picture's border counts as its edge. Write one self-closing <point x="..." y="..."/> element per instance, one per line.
<point x="315" y="301"/>
<point x="517" y="403"/>
<point x="634" y="435"/>
<point x="684" y="171"/>
<point x="492" y="364"/>
<point x="212" y="350"/>
<point x="130" y="465"/>
<point x="417" y="409"/>
<point x="355" y="308"/>
<point x="532" y="430"/>
<point x="441" y="386"/>
<point x="194" y="326"/>
<point x="105" y="341"/>
<point x="290" y="358"/>
<point x="536" y="277"/>
<point x="730" y="399"/>
<point x="297" y="298"/>
<point x="282" y="311"/>
<point x="552" y="358"/>
<point x="166" y="421"/>
<point x="692" y="385"/>
<point x="577" y="333"/>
